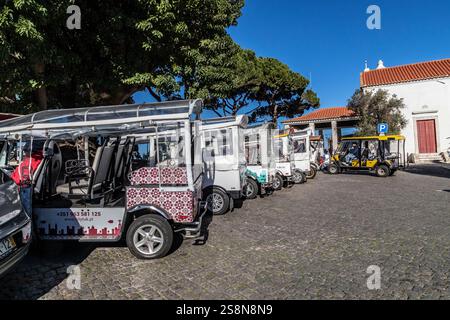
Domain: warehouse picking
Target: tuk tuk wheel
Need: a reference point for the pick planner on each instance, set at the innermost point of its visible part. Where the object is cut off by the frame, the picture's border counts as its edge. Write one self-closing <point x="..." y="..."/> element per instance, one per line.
<point x="299" y="177"/>
<point x="149" y="237"/>
<point x="251" y="189"/>
<point x="278" y="182"/>
<point x="218" y="201"/>
<point x="382" y="171"/>
<point x="312" y="173"/>
<point x="333" y="168"/>
<point x="392" y="172"/>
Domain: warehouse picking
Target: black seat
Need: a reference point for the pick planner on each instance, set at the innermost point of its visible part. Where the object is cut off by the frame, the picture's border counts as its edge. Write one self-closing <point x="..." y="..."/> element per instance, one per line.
<point x="128" y="159"/>
<point x="95" y="183"/>
<point x="120" y="161"/>
<point x="46" y="175"/>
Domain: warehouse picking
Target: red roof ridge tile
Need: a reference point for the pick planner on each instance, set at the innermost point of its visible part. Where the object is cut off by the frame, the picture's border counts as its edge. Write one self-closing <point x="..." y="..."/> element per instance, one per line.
<point x="409" y="64"/>
<point x="406" y="73"/>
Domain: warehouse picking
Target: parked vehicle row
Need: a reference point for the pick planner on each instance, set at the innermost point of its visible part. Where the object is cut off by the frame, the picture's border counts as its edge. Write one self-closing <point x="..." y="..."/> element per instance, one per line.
<point x="142" y="173"/>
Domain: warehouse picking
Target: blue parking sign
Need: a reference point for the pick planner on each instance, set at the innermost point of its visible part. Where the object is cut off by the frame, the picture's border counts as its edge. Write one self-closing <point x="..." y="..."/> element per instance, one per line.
<point x="383" y="128"/>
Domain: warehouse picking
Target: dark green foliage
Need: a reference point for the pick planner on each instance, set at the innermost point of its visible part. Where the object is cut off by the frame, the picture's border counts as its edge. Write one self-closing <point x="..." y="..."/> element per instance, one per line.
<point x="374" y="107"/>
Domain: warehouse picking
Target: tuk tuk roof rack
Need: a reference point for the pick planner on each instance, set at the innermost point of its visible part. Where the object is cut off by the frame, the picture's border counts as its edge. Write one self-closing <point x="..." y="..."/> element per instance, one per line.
<point x="301" y="133"/>
<point x="263" y="125"/>
<point x="118" y="116"/>
<point x="216" y="123"/>
<point x="381" y="138"/>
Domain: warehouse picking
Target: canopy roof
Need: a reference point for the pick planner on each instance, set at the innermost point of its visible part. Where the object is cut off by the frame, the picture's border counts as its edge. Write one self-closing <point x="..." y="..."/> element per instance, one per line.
<point x="106" y="118"/>
<point x="381" y="138"/>
<point x="260" y="126"/>
<point x="217" y="123"/>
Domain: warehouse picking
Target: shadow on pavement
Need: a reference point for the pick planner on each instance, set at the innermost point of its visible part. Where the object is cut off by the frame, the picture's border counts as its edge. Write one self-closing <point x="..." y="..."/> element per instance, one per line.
<point x="44" y="268"/>
<point x="47" y="264"/>
<point x="440" y="170"/>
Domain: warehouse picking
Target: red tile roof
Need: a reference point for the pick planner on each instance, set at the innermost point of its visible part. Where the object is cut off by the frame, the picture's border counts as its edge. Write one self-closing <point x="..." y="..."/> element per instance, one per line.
<point x="406" y="73"/>
<point x="324" y="114"/>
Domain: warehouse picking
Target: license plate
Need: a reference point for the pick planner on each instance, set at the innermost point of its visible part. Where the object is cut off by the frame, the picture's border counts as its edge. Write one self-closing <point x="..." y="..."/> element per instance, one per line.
<point x="6" y="246"/>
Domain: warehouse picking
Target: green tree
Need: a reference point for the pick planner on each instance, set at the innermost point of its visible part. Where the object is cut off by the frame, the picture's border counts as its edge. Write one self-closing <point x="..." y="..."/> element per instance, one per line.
<point x="374" y="107"/>
<point x="281" y="92"/>
<point x="240" y="81"/>
<point x="121" y="48"/>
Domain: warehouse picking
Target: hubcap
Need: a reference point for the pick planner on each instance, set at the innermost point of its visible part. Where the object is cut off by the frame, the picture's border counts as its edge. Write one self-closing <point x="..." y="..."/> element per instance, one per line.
<point x="148" y="239"/>
<point x="297" y="177"/>
<point x="276" y="183"/>
<point x="249" y="189"/>
<point x="215" y="202"/>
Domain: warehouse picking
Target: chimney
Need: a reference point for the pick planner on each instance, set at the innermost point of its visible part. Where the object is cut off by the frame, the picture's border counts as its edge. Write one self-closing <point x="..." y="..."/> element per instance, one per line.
<point x="366" y="67"/>
<point x="381" y="65"/>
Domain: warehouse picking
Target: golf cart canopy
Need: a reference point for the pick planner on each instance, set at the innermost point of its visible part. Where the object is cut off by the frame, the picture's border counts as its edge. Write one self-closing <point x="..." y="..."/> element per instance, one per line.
<point x="100" y="120"/>
<point x="300" y="134"/>
<point x="381" y="138"/>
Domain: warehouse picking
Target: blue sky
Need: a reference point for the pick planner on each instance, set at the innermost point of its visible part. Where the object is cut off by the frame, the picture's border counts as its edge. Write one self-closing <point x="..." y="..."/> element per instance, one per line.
<point x="329" y="40"/>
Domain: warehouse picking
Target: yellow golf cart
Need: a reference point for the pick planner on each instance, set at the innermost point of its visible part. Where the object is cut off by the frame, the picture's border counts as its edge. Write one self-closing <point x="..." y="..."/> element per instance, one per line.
<point x="382" y="155"/>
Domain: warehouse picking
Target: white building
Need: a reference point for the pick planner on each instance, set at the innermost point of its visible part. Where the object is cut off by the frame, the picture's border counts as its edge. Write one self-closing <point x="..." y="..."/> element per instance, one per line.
<point x="425" y="88"/>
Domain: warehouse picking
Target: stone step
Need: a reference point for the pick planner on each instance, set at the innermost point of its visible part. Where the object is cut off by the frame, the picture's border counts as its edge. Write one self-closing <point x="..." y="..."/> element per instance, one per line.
<point x="429" y="158"/>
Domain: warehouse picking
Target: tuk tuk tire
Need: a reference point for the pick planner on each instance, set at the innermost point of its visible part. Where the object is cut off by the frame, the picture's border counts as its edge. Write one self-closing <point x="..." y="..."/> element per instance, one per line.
<point x="217" y="192"/>
<point x="280" y="180"/>
<point x="382" y="171"/>
<point x="163" y="228"/>
<point x="333" y="168"/>
<point x="254" y="189"/>
<point x="301" y="177"/>
<point x="312" y="173"/>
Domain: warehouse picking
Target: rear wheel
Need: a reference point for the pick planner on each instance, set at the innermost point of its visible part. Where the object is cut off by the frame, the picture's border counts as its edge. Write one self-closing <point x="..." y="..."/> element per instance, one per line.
<point x="149" y="237"/>
<point x="312" y="173"/>
<point x="298" y="177"/>
<point x="251" y="189"/>
<point x="278" y="182"/>
<point x="218" y="201"/>
<point x="333" y="168"/>
<point x="382" y="171"/>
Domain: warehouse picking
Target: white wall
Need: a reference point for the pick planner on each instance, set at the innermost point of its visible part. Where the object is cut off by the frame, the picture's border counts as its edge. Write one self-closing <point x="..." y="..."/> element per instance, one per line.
<point x="428" y="99"/>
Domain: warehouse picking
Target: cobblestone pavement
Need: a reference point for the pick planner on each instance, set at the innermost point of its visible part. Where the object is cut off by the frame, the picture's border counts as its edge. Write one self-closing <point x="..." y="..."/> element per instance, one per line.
<point x="313" y="241"/>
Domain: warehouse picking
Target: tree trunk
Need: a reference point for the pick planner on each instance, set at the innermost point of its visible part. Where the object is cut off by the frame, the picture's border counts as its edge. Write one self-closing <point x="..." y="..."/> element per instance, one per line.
<point x="41" y="93"/>
<point x="275" y="115"/>
<point x="123" y="95"/>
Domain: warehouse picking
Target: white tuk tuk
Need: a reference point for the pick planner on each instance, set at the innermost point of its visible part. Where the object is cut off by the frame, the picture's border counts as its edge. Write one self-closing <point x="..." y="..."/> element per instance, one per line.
<point x="90" y="182"/>
<point x="302" y="153"/>
<point x="224" y="163"/>
<point x="260" y="159"/>
<point x="284" y="153"/>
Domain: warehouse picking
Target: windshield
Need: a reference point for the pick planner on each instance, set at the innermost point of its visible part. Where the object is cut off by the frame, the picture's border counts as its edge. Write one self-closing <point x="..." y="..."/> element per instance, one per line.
<point x="253" y="149"/>
<point x="299" y="145"/>
<point x="164" y="146"/>
<point x="282" y="148"/>
<point x="219" y="143"/>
